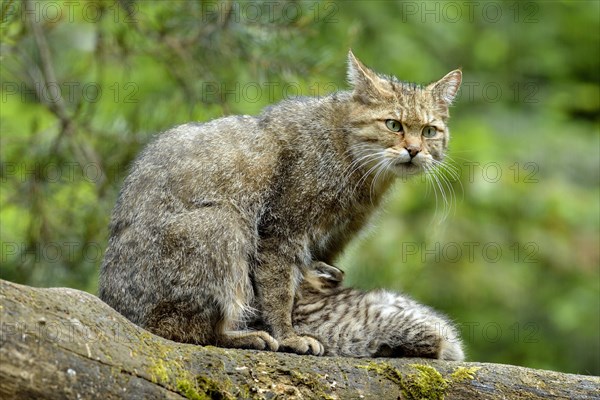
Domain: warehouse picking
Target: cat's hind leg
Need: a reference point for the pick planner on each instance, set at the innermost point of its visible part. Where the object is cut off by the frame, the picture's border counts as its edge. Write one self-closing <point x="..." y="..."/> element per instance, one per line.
<point x="208" y="290"/>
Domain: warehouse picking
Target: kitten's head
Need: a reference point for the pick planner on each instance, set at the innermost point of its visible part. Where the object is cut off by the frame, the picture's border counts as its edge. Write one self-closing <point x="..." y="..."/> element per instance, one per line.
<point x="396" y="126"/>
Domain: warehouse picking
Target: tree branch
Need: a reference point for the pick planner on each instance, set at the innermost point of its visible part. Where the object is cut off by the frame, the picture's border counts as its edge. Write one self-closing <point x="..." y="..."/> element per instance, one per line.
<point x="64" y="343"/>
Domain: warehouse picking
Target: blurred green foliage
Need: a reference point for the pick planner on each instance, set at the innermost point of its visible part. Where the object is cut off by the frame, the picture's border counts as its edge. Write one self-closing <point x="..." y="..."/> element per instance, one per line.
<point x="515" y="257"/>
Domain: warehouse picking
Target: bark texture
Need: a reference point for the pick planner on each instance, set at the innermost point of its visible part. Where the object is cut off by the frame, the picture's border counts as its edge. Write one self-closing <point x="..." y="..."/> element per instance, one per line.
<point x="63" y="343"/>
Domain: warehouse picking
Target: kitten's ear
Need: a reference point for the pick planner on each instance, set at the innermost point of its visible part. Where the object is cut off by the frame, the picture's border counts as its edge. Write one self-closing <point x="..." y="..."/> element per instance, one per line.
<point x="367" y="86"/>
<point x="446" y="89"/>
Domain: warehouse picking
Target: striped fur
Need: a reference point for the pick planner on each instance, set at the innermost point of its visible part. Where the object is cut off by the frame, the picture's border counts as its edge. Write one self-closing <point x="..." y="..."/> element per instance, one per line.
<point x="354" y="323"/>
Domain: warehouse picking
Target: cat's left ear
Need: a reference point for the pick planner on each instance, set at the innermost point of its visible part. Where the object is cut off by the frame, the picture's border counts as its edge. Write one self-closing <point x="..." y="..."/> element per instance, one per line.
<point x="446" y="89"/>
<point x="367" y="86"/>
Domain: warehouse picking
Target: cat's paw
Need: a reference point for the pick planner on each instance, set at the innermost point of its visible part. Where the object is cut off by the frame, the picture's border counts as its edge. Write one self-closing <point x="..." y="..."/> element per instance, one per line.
<point x="330" y="275"/>
<point x="256" y="340"/>
<point x="264" y="341"/>
<point x="301" y="345"/>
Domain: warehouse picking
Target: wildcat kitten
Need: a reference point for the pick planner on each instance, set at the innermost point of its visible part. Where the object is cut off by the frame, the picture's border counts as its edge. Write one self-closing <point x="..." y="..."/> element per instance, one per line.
<point x="379" y="323"/>
<point x="216" y="220"/>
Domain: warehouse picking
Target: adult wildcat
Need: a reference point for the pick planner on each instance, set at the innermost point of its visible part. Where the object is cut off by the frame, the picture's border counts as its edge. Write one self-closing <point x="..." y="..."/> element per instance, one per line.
<point x="216" y="220"/>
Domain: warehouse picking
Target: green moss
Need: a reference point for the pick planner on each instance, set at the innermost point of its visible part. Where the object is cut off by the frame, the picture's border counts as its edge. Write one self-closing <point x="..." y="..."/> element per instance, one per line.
<point x="461" y="374"/>
<point x="158" y="372"/>
<point x="202" y="389"/>
<point x="168" y="370"/>
<point x="213" y="389"/>
<point x="426" y="384"/>
<point x="196" y="388"/>
<point x="187" y="389"/>
<point x="385" y="370"/>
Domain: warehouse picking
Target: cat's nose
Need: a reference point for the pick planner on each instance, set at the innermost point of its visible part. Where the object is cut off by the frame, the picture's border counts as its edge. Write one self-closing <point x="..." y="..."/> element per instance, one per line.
<point x="413" y="150"/>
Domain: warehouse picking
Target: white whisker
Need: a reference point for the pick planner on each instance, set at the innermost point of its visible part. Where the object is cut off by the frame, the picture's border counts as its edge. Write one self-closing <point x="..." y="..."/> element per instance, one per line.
<point x="383" y="167"/>
<point x="366" y="174"/>
<point x="440" y="175"/>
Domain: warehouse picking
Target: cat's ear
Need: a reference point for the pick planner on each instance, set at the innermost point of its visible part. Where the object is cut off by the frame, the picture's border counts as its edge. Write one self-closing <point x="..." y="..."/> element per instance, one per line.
<point x="367" y="86"/>
<point x="446" y="89"/>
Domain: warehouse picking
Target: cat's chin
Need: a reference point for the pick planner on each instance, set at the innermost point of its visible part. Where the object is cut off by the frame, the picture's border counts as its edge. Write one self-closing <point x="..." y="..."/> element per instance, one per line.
<point x="405" y="170"/>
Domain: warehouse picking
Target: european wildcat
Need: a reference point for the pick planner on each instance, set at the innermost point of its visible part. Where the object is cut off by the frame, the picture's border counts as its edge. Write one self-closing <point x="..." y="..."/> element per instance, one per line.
<point x="216" y="220"/>
<point x="379" y="323"/>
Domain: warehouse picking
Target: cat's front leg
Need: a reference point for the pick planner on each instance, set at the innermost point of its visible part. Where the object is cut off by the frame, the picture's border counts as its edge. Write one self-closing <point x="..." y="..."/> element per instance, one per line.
<point x="276" y="281"/>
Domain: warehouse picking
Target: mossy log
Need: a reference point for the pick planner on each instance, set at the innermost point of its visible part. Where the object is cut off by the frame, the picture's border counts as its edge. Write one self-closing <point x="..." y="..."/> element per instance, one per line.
<point x="62" y="343"/>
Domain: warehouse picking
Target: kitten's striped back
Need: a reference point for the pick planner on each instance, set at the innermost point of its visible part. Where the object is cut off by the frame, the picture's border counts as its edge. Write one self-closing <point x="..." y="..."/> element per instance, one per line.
<point x="379" y="323"/>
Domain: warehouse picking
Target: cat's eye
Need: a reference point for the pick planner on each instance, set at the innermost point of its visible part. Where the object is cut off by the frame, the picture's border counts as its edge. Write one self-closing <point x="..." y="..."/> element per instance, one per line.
<point x="393" y="125"/>
<point x="429" y="131"/>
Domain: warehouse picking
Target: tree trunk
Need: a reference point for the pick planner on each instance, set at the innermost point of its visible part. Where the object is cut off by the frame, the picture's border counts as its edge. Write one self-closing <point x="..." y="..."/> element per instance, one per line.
<point x="63" y="343"/>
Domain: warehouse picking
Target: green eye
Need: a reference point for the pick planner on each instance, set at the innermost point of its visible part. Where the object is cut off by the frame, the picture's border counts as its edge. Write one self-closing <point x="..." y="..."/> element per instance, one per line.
<point x="393" y="125"/>
<point x="429" y="131"/>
